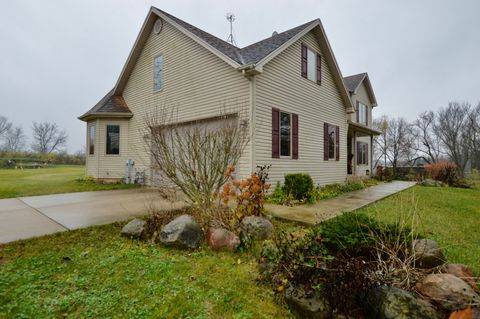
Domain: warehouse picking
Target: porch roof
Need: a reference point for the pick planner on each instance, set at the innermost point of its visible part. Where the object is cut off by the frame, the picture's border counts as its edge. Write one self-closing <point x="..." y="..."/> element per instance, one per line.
<point x="362" y="129"/>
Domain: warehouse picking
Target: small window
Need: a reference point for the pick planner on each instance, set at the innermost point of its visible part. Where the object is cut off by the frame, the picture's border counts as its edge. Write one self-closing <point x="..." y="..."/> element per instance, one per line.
<point x="362" y="113"/>
<point x="285" y="133"/>
<point x="113" y="139"/>
<point x="311" y="65"/>
<point x="157" y="73"/>
<point x="91" y="140"/>
<point x="331" y="141"/>
<point x="362" y="153"/>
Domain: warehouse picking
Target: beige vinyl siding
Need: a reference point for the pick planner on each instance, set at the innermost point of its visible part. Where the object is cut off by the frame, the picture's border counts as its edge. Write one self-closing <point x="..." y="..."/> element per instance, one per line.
<point x="282" y="86"/>
<point x="196" y="84"/>
<point x="111" y="166"/>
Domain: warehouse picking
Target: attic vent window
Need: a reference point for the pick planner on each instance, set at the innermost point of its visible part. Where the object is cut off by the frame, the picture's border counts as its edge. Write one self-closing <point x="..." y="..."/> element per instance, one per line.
<point x="157" y="73"/>
<point x="157" y="27"/>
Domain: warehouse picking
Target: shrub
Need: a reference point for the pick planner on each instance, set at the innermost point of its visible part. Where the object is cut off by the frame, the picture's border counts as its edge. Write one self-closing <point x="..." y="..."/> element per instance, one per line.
<point x="299" y="186"/>
<point x="443" y="171"/>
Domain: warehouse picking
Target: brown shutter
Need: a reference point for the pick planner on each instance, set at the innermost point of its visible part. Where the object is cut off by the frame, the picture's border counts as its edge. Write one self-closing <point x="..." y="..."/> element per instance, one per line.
<point x="366" y="154"/>
<point x="294" y="136"/>
<point x="358" y="112"/>
<point x="275" y="133"/>
<point x="319" y="69"/>
<point x="337" y="143"/>
<point x="358" y="153"/>
<point x="304" y="60"/>
<point x="325" y="141"/>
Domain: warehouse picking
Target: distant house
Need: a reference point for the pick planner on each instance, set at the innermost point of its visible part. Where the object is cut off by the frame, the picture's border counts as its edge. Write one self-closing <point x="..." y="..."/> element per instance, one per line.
<point x="303" y="116"/>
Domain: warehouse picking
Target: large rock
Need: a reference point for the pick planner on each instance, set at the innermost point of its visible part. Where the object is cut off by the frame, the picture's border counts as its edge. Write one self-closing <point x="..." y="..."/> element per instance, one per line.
<point x="450" y="292"/>
<point x="182" y="232"/>
<point x="427" y="253"/>
<point x="462" y="272"/>
<point x="256" y="228"/>
<point x="134" y="228"/>
<point x="307" y="304"/>
<point x="386" y="302"/>
<point x="220" y="238"/>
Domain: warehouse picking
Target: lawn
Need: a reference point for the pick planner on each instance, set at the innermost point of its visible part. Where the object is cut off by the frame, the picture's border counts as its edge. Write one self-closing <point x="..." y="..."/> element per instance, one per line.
<point x="54" y="180"/>
<point x="449" y="215"/>
<point x="95" y="273"/>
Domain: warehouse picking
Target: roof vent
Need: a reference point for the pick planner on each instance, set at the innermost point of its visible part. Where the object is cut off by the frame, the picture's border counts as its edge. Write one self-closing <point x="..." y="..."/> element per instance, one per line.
<point x="274" y="33"/>
<point x="157" y="27"/>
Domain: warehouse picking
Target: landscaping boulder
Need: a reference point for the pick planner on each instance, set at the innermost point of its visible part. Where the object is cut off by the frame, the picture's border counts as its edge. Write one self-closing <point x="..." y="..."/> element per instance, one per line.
<point x="256" y="228"/>
<point x="134" y="228"/>
<point x="462" y="272"/>
<point x="307" y="304"/>
<point x="386" y="302"/>
<point x="182" y="232"/>
<point x="427" y="253"/>
<point x="220" y="238"/>
<point x="450" y="292"/>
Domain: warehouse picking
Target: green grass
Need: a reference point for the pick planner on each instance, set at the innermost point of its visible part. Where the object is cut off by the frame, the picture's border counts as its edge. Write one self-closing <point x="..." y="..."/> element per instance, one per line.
<point x="95" y="273"/>
<point x="54" y="180"/>
<point x="448" y="215"/>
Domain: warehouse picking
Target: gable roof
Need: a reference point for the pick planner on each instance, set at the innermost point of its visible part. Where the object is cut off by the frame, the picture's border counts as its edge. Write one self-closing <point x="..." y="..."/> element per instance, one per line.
<point x="252" y="57"/>
<point x="110" y="105"/>
<point x="352" y="82"/>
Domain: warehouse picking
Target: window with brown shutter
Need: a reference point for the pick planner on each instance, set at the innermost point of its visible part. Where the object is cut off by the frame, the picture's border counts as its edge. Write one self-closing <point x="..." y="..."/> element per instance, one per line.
<point x="319" y="69"/>
<point x="337" y="143"/>
<point x="358" y="112"/>
<point x="294" y="136"/>
<point x="304" y="60"/>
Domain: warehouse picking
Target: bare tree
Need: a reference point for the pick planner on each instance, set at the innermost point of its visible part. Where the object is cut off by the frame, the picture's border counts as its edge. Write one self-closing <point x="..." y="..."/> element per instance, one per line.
<point x="395" y="142"/>
<point x="5" y="125"/>
<point x="453" y="129"/>
<point x="474" y="124"/>
<point x="47" y="137"/>
<point x="194" y="156"/>
<point x="14" y="139"/>
<point x="426" y="143"/>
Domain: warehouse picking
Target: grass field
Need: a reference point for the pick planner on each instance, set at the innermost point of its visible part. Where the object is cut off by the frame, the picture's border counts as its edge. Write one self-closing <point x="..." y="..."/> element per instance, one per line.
<point x="54" y="180"/>
<point x="95" y="273"/>
<point x="449" y="215"/>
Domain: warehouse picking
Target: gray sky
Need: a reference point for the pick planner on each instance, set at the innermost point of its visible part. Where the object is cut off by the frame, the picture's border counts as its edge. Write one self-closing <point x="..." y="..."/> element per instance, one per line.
<point x="58" y="58"/>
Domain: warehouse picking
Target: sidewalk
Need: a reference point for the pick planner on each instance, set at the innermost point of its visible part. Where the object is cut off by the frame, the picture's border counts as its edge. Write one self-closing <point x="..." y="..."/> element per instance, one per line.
<point x="27" y="217"/>
<point x="326" y="209"/>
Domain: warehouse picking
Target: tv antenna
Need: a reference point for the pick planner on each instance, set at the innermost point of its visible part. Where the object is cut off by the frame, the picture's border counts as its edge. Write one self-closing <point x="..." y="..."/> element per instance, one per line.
<point x="231" y="18"/>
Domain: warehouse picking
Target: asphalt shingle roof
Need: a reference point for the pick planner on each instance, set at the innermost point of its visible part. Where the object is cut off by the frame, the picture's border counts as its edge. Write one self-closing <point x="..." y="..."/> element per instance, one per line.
<point x="248" y="55"/>
<point x="353" y="81"/>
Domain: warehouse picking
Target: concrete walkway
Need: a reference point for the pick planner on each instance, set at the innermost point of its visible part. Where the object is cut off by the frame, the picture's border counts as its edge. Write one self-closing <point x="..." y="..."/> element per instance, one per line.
<point x="26" y="217"/>
<point x="326" y="209"/>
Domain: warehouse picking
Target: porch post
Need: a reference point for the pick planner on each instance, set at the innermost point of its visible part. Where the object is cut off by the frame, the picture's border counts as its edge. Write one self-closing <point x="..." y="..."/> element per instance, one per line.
<point x="354" y="172"/>
<point x="371" y="155"/>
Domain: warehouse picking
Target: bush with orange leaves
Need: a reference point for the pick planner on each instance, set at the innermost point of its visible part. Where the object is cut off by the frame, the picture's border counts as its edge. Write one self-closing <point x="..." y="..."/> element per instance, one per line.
<point x="443" y="171"/>
<point x="249" y="194"/>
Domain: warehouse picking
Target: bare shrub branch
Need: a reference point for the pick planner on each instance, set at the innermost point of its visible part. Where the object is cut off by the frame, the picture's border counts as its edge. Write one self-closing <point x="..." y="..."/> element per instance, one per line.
<point x="194" y="156"/>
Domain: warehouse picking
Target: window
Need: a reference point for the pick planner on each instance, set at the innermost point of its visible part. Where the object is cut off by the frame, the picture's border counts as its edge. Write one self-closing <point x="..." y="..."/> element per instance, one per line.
<point x="362" y="114"/>
<point x="311" y="65"/>
<point x="285" y="133"/>
<point x="91" y="140"/>
<point x="157" y="73"/>
<point x="331" y="141"/>
<point x="362" y="156"/>
<point x="113" y="139"/>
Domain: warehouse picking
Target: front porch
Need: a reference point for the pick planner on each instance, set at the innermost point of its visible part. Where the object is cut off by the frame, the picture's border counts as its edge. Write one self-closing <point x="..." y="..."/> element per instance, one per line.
<point x="360" y="149"/>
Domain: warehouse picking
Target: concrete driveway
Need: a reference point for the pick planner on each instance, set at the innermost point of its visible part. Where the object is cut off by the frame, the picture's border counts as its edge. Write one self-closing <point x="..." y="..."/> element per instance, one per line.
<point x="26" y="217"/>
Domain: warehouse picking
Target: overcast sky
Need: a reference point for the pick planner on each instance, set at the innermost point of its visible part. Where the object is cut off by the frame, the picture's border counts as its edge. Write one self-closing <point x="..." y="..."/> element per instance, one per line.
<point x="58" y="58"/>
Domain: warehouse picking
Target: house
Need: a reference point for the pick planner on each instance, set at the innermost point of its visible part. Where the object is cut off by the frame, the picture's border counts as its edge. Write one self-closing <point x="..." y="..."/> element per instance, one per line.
<point x="302" y="115"/>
